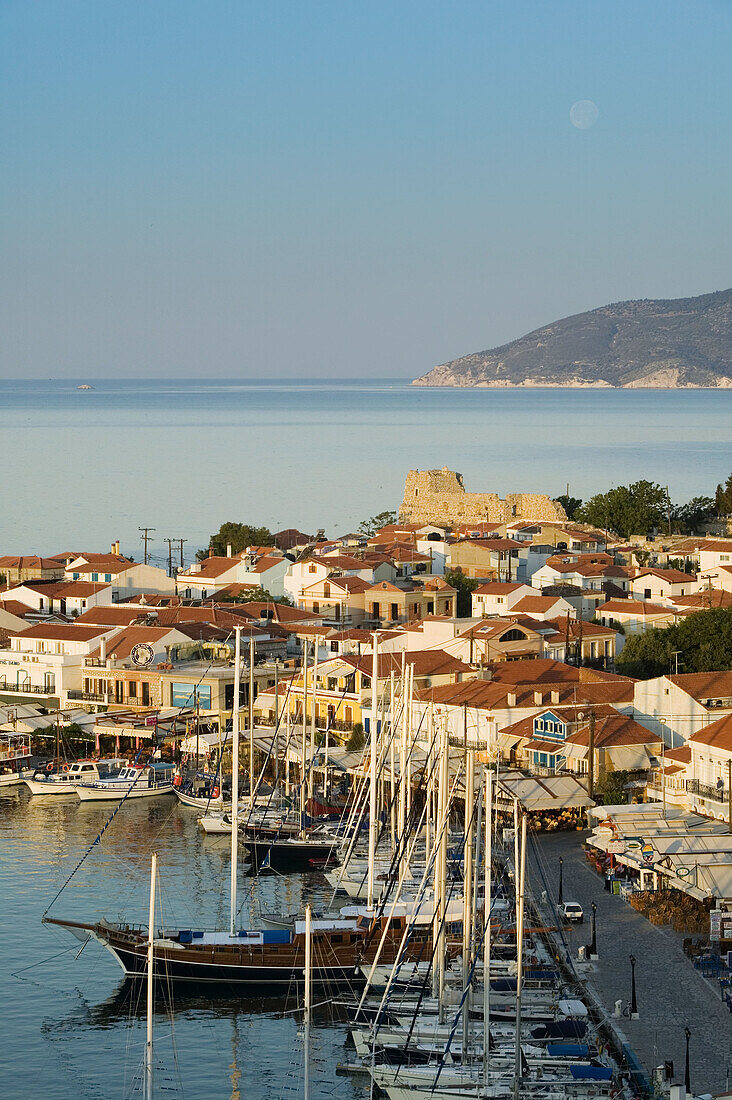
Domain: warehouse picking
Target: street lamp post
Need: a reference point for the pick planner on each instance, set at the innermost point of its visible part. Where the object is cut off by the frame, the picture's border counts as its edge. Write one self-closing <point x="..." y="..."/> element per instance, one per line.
<point x="593" y="943"/>
<point x="560" y="894"/>
<point x="633" y="999"/>
<point x="687" y="1074"/>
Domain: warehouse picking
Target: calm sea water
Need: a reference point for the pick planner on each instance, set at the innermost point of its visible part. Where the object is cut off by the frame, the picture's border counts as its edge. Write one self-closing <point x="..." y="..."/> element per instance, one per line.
<point x="73" y="1029"/>
<point x="82" y="468"/>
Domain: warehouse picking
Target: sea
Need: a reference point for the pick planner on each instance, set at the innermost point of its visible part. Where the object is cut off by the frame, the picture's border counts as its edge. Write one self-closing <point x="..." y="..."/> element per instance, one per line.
<point x="74" y="1029"/>
<point x="83" y="468"/>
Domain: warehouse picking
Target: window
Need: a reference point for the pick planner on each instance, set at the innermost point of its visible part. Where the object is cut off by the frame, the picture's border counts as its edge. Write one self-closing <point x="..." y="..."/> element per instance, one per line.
<point x="132" y="689"/>
<point x="499" y="599"/>
<point x="145" y="693"/>
<point x="107" y="577"/>
<point x="394" y="611"/>
<point x="646" y="593"/>
<point x="312" y="568"/>
<point x="316" y="607"/>
<point x="95" y="576"/>
<point x="326" y="590"/>
<point x="75" y="576"/>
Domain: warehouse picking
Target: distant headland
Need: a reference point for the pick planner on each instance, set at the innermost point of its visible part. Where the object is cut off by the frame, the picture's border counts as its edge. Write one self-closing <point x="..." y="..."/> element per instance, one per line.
<point x="678" y="343"/>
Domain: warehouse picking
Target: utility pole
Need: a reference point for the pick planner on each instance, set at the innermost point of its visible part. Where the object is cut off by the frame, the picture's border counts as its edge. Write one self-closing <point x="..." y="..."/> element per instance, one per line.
<point x="591" y="756"/>
<point x="181" y="541"/>
<point x="170" y="555"/>
<point x="146" y="539"/>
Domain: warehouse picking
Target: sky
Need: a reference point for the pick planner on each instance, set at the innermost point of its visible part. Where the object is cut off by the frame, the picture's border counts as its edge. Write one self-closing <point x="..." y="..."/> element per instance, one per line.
<point x="348" y="189"/>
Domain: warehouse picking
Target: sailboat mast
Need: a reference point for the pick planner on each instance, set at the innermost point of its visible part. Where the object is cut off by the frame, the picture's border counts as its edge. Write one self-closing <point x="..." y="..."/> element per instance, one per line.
<point x="306" y="1044"/>
<point x="314" y="715"/>
<point x="373" y="823"/>
<point x="303" y="793"/>
<point x="250" y="722"/>
<point x="488" y="873"/>
<point x="468" y="888"/>
<point x="150" y="980"/>
<point x="235" y="779"/>
<point x="520" y="884"/>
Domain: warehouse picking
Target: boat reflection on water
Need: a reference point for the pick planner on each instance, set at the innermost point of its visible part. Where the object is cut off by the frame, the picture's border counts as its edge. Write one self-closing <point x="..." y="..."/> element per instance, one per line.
<point x="189" y="999"/>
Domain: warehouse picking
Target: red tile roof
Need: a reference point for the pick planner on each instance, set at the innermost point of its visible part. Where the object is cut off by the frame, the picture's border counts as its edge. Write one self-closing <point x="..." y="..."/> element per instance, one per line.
<point x="717" y="735"/>
<point x="62" y="633"/>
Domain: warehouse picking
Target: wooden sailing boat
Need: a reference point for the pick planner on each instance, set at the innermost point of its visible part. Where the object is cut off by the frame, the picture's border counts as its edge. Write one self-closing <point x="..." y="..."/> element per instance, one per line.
<point x="266" y="958"/>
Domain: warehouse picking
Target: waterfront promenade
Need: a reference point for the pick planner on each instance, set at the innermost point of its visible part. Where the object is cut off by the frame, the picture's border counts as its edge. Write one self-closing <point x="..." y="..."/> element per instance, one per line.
<point x="671" y="994"/>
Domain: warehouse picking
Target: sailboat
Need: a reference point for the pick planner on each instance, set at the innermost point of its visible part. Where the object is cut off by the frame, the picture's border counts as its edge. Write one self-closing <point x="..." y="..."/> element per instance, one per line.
<point x="266" y="958"/>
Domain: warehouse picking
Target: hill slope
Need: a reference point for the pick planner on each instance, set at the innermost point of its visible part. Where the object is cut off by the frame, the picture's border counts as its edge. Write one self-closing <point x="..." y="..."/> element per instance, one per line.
<point x="661" y="344"/>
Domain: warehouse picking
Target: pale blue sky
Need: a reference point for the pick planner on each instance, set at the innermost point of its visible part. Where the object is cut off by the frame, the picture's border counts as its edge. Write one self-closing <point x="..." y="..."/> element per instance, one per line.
<point x="347" y="189"/>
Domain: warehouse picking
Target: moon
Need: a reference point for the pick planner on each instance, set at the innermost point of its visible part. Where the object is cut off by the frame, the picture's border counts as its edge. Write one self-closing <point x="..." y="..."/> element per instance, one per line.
<point x="583" y="114"/>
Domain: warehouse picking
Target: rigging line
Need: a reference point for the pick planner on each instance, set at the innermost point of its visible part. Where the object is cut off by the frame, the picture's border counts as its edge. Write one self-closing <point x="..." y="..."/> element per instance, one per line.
<point x="122" y="801"/>
<point x="99" y="835"/>
<point x="42" y="962"/>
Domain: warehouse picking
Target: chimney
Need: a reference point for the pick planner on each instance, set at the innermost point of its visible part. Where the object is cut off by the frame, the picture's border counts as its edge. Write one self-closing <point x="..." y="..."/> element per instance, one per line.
<point x="210" y="551"/>
<point x="555" y="697"/>
<point x="228" y="549"/>
<point x="538" y="698"/>
<point x="511" y="699"/>
<point x="103" y="649"/>
<point x="115" y="547"/>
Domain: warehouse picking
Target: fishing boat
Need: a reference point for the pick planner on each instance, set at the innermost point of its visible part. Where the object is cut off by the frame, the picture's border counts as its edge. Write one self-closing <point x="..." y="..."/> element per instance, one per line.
<point x="135" y="781"/>
<point x="64" y="779"/>
<point x="15" y="757"/>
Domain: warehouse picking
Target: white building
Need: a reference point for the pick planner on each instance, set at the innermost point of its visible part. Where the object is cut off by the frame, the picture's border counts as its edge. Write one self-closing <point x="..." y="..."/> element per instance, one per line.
<point x="662" y="584"/>
<point x="127" y="578"/>
<point x="498" y="597"/>
<point x="684" y="704"/>
<point x="47" y="660"/>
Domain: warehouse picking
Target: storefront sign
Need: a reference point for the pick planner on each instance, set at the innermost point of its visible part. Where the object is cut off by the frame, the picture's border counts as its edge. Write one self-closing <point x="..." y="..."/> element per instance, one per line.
<point x="634" y="843"/>
<point x="615" y="847"/>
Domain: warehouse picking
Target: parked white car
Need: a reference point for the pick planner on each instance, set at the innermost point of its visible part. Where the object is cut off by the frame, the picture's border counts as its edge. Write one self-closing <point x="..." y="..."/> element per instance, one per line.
<point x="572" y="911"/>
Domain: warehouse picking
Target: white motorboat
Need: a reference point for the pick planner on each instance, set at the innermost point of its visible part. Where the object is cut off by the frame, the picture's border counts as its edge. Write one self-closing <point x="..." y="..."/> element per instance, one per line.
<point x="136" y="781"/>
<point x="15" y="756"/>
<point x="60" y="779"/>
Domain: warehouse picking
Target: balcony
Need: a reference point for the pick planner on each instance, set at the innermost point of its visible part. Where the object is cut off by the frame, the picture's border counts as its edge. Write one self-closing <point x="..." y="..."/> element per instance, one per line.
<point x="703" y="790"/>
<point x="88" y="696"/>
<point x="14" y="688"/>
<point x="94" y="662"/>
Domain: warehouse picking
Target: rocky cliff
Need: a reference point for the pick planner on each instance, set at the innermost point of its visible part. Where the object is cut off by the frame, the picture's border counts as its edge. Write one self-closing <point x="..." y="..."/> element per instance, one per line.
<point x="664" y="344"/>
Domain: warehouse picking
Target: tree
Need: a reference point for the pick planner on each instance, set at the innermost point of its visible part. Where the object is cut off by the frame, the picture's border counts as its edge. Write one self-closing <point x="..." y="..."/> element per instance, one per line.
<point x="723" y="498"/>
<point x="257" y="595"/>
<point x="694" y="515"/>
<point x="371" y="526"/>
<point x="570" y="505"/>
<point x="357" y="740"/>
<point x="464" y="587"/>
<point x="610" y="788"/>
<point x="238" y="536"/>
<point x="702" y="642"/>
<point x="629" y="509"/>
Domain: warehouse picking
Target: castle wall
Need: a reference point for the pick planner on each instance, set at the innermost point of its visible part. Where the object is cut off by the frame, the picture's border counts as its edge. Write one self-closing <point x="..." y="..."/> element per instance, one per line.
<point x="438" y="496"/>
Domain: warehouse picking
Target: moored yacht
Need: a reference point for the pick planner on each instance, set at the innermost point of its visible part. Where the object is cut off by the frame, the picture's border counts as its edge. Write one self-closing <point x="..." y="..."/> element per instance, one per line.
<point x="65" y="778"/>
<point x="135" y="781"/>
<point x="15" y="757"/>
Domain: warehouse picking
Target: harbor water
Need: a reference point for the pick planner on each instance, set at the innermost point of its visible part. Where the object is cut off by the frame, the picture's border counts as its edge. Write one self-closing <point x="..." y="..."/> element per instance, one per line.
<point x="74" y="1029"/>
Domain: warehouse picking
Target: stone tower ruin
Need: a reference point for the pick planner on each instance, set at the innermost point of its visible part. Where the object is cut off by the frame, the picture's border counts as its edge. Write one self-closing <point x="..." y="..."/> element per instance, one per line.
<point x="438" y="496"/>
